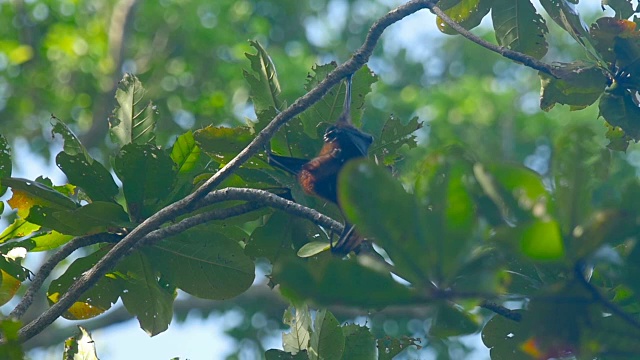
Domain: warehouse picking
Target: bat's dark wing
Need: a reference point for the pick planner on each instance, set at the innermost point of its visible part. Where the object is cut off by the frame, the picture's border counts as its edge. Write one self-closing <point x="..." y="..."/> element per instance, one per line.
<point x="288" y="164"/>
<point x="352" y="142"/>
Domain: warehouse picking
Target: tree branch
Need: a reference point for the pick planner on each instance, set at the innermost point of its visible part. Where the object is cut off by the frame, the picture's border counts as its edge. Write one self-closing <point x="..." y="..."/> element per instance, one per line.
<point x="274" y="201"/>
<point x="501" y="310"/>
<point x="509" y="54"/>
<point x="597" y="296"/>
<point x="50" y="264"/>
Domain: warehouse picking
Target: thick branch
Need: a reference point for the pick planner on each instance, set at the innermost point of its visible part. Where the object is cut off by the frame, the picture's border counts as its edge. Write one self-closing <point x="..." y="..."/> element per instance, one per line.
<point x="509" y="54"/>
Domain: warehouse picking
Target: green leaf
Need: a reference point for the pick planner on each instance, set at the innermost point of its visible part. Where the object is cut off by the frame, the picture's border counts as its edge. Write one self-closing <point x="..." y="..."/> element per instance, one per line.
<point x="576" y="159"/>
<point x="222" y="143"/>
<point x="299" y="320"/>
<point x="185" y="153"/>
<point x="467" y="13"/>
<point x="327" y="340"/>
<point x="618" y="108"/>
<point x="340" y="282"/>
<point x="389" y="347"/>
<point x="578" y="85"/>
<point x="92" y="218"/>
<point x="143" y="296"/>
<point x="19" y="228"/>
<point x="394" y="135"/>
<point x="504" y="337"/>
<point x="329" y="108"/>
<point x="12" y="348"/>
<point x="263" y="81"/>
<point x="519" y="27"/>
<point x="565" y="14"/>
<point x="313" y="248"/>
<point x="133" y="119"/>
<point x="40" y="194"/>
<point x="90" y="176"/>
<point x="451" y="320"/>
<point x="541" y="240"/>
<point x="279" y="237"/>
<point x="5" y="163"/>
<point x="517" y="191"/>
<point x="359" y="343"/>
<point x="49" y="241"/>
<point x="72" y="145"/>
<point x="274" y="354"/>
<point x="80" y="347"/>
<point x="405" y="236"/>
<point x="147" y="175"/>
<point x="200" y="256"/>
<point x="94" y="301"/>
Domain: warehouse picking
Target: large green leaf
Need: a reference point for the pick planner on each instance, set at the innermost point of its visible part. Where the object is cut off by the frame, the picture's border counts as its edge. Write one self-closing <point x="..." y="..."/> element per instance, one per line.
<point x="90" y="176"/>
<point x="274" y="354"/>
<point x="389" y="347"/>
<point x="565" y="14"/>
<point x="467" y="13"/>
<point x="340" y="282"/>
<point x="203" y="263"/>
<point x="504" y="338"/>
<point x="327" y="340"/>
<point x="92" y="218"/>
<point x="38" y="193"/>
<point x="359" y="343"/>
<point x="5" y="163"/>
<point x="576" y="84"/>
<point x="329" y="108"/>
<point x="143" y="296"/>
<point x="519" y="27"/>
<point x="453" y="321"/>
<point x="147" y="176"/>
<point x="72" y="145"/>
<point x="19" y="228"/>
<point x="382" y="210"/>
<point x="185" y="153"/>
<point x="280" y="236"/>
<point x="263" y="81"/>
<point x="133" y="119"/>
<point x="223" y="143"/>
<point x="94" y="301"/>
<point x="393" y="136"/>
<point x="618" y="108"/>
<point x="12" y="348"/>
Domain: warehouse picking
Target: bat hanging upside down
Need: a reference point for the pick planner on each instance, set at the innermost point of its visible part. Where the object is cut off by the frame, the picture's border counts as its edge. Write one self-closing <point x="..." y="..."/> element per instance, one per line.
<point x="319" y="176"/>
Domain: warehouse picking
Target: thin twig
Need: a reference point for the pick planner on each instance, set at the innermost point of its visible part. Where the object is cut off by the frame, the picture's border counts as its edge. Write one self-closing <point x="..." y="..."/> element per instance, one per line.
<point x="509" y="54"/>
<point x="50" y="264"/>
<point x="501" y="310"/>
<point x="597" y="296"/>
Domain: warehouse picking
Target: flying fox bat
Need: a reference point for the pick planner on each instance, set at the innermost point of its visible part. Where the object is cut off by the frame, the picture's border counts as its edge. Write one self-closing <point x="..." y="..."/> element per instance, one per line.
<point x="319" y="176"/>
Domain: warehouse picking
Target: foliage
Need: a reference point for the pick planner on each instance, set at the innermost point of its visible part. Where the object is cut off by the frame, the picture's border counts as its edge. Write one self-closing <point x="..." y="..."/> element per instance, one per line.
<point x="462" y="230"/>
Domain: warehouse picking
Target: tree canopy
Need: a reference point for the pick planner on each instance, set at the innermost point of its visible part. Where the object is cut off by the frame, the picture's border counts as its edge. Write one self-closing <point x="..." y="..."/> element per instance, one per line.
<point x="480" y="214"/>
